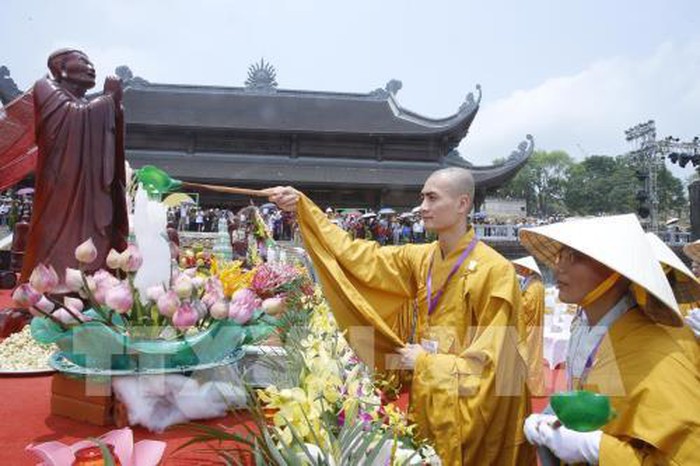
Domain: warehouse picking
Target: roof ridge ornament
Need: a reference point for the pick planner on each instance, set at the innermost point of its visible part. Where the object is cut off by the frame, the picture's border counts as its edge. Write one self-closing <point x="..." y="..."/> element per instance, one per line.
<point x="524" y="150"/>
<point x="128" y="78"/>
<point x="261" y="77"/>
<point x="469" y="104"/>
<point x="390" y="89"/>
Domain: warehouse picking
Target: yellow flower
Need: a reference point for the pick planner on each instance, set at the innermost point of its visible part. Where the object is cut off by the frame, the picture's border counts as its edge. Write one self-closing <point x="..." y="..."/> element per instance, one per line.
<point x="233" y="277"/>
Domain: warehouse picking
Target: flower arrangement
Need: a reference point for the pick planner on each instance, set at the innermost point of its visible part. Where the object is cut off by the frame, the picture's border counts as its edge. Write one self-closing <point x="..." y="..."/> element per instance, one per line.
<point x="189" y="309"/>
<point x="325" y="408"/>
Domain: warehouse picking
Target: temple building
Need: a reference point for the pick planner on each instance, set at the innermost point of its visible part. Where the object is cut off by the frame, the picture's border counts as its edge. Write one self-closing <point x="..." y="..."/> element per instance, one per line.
<point x="342" y="149"/>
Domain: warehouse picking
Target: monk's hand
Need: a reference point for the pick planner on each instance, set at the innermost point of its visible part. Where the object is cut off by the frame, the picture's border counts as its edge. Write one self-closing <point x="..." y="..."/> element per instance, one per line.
<point x="409" y="355"/>
<point x="113" y="87"/>
<point x="285" y="197"/>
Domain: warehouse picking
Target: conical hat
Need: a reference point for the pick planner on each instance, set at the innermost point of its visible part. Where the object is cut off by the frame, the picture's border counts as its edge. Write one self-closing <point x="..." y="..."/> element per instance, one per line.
<point x="686" y="286"/>
<point x="619" y="243"/>
<point x="692" y="250"/>
<point x="528" y="262"/>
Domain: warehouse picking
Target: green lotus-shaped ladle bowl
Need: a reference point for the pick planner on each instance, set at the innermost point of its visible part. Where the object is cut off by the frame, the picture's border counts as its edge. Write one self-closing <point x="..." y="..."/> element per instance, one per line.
<point x="155" y="180"/>
<point x="581" y="410"/>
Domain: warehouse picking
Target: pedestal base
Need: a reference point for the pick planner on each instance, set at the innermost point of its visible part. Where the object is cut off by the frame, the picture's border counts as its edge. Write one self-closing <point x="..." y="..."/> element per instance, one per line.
<point x="82" y="399"/>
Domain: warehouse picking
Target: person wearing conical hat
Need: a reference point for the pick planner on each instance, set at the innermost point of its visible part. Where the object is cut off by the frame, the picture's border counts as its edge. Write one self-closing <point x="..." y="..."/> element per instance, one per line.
<point x="684" y="283"/>
<point x="461" y="336"/>
<point x="692" y="312"/>
<point x="627" y="342"/>
<point x="532" y="316"/>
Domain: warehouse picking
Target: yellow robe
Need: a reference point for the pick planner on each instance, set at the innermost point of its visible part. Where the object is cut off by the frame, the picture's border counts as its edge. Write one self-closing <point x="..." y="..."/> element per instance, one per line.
<point x="532" y="316"/>
<point x="652" y="374"/>
<point x="470" y="399"/>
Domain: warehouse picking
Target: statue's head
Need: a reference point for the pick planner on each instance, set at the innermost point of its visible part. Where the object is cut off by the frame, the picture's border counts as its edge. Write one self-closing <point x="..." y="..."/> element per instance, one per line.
<point x="4" y="71"/>
<point x="72" y="66"/>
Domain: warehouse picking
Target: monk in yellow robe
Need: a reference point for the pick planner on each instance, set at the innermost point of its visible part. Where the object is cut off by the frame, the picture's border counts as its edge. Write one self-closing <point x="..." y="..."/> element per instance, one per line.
<point x="468" y="393"/>
<point x="627" y="342"/>
<point x="532" y="316"/>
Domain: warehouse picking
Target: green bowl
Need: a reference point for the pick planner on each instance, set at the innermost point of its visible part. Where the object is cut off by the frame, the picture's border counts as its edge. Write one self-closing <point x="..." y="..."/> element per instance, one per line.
<point x="581" y="410"/>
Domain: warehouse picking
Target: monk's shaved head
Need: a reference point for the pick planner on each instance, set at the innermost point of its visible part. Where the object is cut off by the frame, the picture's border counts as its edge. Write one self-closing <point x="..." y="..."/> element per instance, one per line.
<point x="459" y="180"/>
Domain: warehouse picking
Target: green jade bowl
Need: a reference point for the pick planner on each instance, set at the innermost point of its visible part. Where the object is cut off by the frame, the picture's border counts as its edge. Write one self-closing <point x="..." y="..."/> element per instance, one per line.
<point x="581" y="410"/>
<point x="155" y="180"/>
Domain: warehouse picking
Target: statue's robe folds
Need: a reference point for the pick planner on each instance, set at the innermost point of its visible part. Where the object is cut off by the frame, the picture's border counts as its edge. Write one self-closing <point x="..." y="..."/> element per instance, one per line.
<point x="80" y="179"/>
<point x="470" y="398"/>
<point x="651" y="373"/>
<point x="533" y="319"/>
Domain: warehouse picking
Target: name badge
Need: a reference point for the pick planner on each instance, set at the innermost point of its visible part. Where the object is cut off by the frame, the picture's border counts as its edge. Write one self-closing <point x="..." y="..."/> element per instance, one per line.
<point x="431" y="346"/>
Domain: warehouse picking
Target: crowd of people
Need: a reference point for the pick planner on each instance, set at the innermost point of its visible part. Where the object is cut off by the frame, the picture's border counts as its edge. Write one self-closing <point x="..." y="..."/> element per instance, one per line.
<point x="14" y="207"/>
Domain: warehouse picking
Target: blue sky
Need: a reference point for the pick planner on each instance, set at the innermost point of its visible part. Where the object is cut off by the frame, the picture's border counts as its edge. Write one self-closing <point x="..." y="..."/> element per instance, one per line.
<point x="575" y="74"/>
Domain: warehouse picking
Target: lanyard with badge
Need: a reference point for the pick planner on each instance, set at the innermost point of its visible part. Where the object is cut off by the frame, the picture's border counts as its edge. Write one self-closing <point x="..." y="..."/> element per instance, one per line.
<point x="577" y="383"/>
<point x="431" y="346"/>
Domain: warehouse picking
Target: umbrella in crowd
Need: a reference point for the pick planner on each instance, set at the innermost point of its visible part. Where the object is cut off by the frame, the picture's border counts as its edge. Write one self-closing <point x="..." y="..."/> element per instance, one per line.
<point x="176" y="199"/>
<point x="387" y="211"/>
<point x="415" y="210"/>
<point x="25" y="191"/>
<point x="369" y="215"/>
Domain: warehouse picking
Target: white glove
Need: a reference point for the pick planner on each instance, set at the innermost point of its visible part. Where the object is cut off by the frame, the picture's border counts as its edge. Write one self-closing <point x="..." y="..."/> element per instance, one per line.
<point x="532" y="433"/>
<point x="568" y="445"/>
<point x="693" y="321"/>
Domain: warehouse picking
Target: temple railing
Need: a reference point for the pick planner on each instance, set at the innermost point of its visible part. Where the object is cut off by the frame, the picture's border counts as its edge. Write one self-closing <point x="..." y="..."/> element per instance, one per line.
<point x="507" y="232"/>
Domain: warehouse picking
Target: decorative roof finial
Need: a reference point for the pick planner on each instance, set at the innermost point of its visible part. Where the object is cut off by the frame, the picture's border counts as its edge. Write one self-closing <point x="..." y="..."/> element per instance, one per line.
<point x="469" y="104"/>
<point x="261" y="77"/>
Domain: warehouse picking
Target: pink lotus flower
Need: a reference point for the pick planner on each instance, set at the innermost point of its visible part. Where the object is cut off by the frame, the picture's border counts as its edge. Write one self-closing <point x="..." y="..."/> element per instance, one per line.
<point x="44" y="304"/>
<point x="74" y="279"/>
<point x="26" y="296"/>
<point x="168" y="304"/>
<point x="66" y="317"/>
<point x="243" y="303"/>
<point x="44" y="279"/>
<point x="86" y="252"/>
<point x="219" y="310"/>
<point x="119" y="298"/>
<point x="104" y="278"/>
<point x="273" y="306"/>
<point x="183" y="286"/>
<point x="155" y="292"/>
<point x="74" y="304"/>
<point x="144" y="453"/>
<point x="114" y="259"/>
<point x="131" y="259"/>
<point x="197" y="282"/>
<point x="185" y="317"/>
